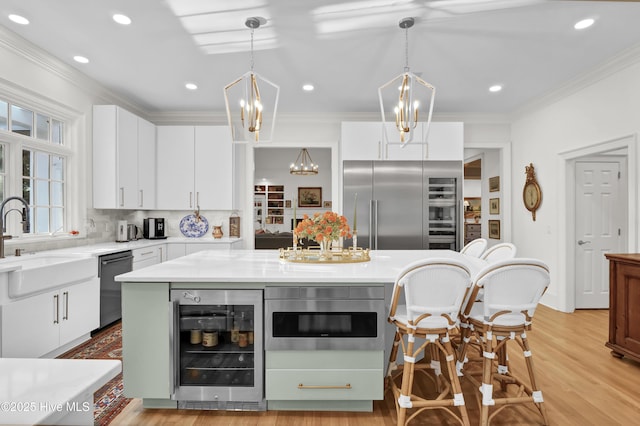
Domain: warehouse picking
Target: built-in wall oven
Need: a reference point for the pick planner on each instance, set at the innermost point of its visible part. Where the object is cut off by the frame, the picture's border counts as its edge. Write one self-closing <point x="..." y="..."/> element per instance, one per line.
<point x="217" y="349"/>
<point x="324" y="317"/>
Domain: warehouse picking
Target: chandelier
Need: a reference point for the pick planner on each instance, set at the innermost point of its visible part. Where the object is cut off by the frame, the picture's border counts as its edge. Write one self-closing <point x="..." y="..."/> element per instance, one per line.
<point x="403" y="101"/>
<point x="303" y="164"/>
<point x="251" y="101"/>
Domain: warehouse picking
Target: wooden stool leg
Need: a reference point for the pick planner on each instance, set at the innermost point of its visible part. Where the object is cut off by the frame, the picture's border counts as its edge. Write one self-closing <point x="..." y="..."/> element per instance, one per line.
<point x="404" y="400"/>
<point x="537" y="393"/>
<point x="449" y="356"/>
<point x="487" y="379"/>
<point x="465" y="337"/>
<point x="394" y="354"/>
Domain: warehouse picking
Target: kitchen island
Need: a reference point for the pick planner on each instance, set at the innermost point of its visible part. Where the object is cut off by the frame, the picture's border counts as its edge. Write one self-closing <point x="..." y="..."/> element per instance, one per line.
<point x="149" y="323"/>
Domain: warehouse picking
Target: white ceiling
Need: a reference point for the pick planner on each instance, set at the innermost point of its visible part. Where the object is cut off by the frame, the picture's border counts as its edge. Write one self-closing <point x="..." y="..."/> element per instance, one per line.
<point x="346" y="49"/>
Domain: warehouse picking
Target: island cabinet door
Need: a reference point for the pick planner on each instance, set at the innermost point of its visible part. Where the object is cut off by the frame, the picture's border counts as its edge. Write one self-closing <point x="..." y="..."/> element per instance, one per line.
<point x="145" y="340"/>
<point x="324" y="375"/>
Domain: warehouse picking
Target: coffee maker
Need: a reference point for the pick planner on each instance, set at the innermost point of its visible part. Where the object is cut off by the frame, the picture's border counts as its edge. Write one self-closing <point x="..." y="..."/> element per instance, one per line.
<point x="153" y="228"/>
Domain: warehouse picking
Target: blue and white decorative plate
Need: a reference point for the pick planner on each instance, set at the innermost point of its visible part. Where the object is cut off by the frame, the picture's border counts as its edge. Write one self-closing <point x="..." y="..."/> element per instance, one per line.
<point x="193" y="228"/>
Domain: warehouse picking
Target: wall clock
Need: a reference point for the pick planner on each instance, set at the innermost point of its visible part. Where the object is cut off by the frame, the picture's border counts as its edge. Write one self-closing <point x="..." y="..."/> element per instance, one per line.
<point x="531" y="194"/>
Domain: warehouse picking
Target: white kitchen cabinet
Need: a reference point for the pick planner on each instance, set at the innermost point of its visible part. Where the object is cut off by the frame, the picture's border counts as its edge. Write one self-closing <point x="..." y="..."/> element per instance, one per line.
<point x="119" y="139"/>
<point x="175" y="250"/>
<point x="147" y="256"/>
<point x="194" y="168"/>
<point x="146" y="164"/>
<point x="361" y="140"/>
<point x="445" y="141"/>
<point x="365" y="141"/>
<point x="39" y="324"/>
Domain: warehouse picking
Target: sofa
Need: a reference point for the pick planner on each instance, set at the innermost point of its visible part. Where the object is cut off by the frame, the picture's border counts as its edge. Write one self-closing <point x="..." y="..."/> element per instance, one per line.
<point x="269" y="240"/>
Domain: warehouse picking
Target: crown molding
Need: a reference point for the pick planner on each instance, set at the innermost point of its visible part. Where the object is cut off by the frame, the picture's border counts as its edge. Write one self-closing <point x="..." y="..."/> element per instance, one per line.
<point x="617" y="63"/>
<point x="43" y="59"/>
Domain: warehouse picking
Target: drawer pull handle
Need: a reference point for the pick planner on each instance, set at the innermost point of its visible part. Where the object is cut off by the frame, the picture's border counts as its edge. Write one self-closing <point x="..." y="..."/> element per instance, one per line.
<point x="302" y="386"/>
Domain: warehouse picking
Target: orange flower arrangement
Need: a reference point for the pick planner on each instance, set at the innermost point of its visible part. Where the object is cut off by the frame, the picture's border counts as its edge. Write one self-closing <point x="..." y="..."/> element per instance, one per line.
<point x="328" y="226"/>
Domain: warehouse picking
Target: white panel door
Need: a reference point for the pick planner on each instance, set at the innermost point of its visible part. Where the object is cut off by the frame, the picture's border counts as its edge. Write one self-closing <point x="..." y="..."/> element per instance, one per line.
<point x="30" y="327"/>
<point x="127" y="159"/>
<point x="79" y="310"/>
<point x="175" y="145"/>
<point x="213" y="168"/>
<point x="409" y="151"/>
<point x="361" y="141"/>
<point x="598" y="228"/>
<point x="146" y="164"/>
<point x="445" y="141"/>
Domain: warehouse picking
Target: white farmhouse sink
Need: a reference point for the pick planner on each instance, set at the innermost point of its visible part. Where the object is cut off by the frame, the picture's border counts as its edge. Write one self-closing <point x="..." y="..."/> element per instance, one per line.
<point x="37" y="273"/>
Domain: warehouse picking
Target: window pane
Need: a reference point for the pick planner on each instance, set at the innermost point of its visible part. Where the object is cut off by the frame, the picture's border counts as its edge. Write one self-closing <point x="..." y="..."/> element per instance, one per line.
<point x="4" y="115"/>
<point x="42" y="127"/>
<point x="42" y="165"/>
<point x="1" y="187"/>
<point x="57" y="171"/>
<point x="42" y="193"/>
<point x="42" y="220"/>
<point x="27" y="191"/>
<point x="21" y="120"/>
<point x="1" y="158"/>
<point x="56" y="220"/>
<point x="56" y="194"/>
<point x="56" y="132"/>
<point x="27" y="163"/>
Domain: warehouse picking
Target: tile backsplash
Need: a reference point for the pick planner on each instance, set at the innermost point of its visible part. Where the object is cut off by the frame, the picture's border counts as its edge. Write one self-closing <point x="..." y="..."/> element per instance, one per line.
<point x="100" y="227"/>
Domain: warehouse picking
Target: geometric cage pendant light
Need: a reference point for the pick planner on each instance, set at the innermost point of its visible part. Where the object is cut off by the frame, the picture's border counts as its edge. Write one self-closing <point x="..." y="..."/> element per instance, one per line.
<point x="406" y="101"/>
<point x="251" y="101"/>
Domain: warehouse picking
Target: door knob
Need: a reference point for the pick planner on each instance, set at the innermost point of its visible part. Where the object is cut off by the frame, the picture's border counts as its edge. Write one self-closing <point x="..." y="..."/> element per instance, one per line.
<point x="581" y="243"/>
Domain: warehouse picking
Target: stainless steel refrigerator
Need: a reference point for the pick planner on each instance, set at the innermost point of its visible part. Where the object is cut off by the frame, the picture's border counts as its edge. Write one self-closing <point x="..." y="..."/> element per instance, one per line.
<point x="404" y="205"/>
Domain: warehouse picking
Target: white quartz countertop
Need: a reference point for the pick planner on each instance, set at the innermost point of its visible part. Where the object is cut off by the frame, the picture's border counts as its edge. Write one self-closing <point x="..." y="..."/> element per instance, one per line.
<point x="264" y="266"/>
<point x="114" y="247"/>
<point x="36" y="391"/>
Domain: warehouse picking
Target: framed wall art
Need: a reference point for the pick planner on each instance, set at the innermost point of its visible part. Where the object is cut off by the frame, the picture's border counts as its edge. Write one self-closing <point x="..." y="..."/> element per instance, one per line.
<point x="309" y="196"/>
<point x="494" y="184"/>
<point x="494" y="229"/>
<point x="494" y="205"/>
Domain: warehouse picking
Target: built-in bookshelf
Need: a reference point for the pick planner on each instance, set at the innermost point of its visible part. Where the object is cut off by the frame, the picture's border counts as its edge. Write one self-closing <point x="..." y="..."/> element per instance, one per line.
<point x="274" y="196"/>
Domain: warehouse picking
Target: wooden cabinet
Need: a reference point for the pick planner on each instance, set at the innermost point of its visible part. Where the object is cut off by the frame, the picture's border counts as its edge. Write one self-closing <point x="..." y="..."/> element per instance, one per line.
<point x="36" y="325"/>
<point x="624" y="305"/>
<point x="471" y="232"/>
<point x="123" y="159"/>
<point x="365" y="141"/>
<point x="194" y="168"/>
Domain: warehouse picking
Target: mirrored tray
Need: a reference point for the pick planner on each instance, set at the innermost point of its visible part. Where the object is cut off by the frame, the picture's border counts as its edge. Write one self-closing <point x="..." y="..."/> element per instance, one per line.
<point x="315" y="255"/>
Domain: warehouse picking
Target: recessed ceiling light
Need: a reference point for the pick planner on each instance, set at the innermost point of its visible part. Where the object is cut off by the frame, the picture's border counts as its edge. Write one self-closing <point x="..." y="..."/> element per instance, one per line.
<point x="191" y="86"/>
<point x="585" y="23"/>
<point x="19" y="19"/>
<point x="81" y="59"/>
<point x="495" y="88"/>
<point x="308" y="87"/>
<point x="121" y="19"/>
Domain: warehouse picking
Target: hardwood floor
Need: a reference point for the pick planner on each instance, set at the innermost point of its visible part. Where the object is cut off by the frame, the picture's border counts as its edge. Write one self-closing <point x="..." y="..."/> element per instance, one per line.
<point x="581" y="382"/>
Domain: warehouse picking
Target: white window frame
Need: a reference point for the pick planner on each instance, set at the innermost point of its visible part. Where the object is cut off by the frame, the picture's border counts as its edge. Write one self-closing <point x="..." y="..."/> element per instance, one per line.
<point x="72" y="149"/>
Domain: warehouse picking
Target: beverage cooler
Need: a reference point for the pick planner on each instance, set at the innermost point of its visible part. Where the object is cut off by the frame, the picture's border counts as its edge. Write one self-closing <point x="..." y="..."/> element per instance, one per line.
<point x="443" y="213"/>
<point x="217" y="349"/>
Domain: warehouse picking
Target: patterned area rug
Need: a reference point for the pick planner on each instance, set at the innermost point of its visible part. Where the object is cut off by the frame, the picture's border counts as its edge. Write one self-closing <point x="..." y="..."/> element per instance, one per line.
<point x="107" y="344"/>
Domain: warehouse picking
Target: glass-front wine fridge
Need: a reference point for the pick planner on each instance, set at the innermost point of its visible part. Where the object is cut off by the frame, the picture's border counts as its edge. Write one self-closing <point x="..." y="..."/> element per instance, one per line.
<point x="217" y="349"/>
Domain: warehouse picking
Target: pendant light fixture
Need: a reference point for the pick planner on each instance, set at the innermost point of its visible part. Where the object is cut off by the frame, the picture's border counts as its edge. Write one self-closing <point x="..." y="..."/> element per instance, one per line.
<point x="303" y="164"/>
<point x="251" y="101"/>
<point x="404" y="102"/>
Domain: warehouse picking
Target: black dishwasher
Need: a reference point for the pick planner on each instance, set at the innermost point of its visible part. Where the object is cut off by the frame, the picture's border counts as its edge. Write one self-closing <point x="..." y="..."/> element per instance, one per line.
<point x="111" y="265"/>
